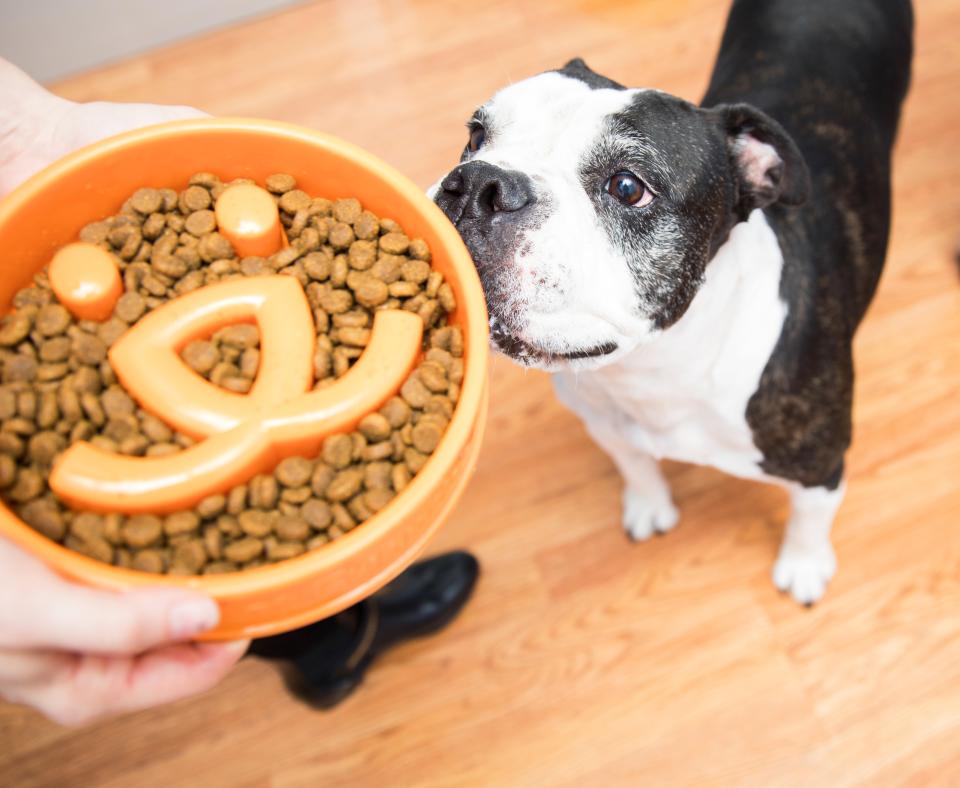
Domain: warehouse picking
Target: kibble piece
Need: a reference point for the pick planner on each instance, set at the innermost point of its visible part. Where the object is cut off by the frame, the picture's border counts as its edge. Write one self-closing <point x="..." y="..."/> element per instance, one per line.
<point x="46" y="518"/>
<point x="284" y="550"/>
<point x="295" y="200"/>
<point x="52" y="319"/>
<point x="213" y="541"/>
<point x="415" y="392"/>
<point x="211" y="506"/>
<point x="20" y="368"/>
<point x="375" y="427"/>
<point x="371" y="292"/>
<point x="29" y="485"/>
<point x="414" y="459"/>
<point x="214" y="246"/>
<point x="8" y="470"/>
<point x="89" y="349"/>
<point x="322" y="476"/>
<point x="396" y="411"/>
<point x="130" y="307"/>
<point x="295" y="495"/>
<point x="362" y="255"/>
<point x="394" y="243"/>
<point x="146" y="201"/>
<point x="241" y="335"/>
<point x="237" y="499"/>
<point x="347" y="210"/>
<point x="335" y="301"/>
<point x="116" y="402"/>
<point x="228" y="525"/>
<point x="255" y="523"/>
<point x="415" y="271"/>
<point x="419" y="250"/>
<point x="338" y="451"/>
<point x="280" y="183"/>
<point x="294" y="471"/>
<point x="433" y="376"/>
<point x="189" y="555"/>
<point x="290" y="528"/>
<point x="148" y="561"/>
<point x="377" y="498"/>
<point x="400" y="477"/>
<point x="20" y="426"/>
<point x="142" y="530"/>
<point x="354" y="337"/>
<point x="243" y="550"/>
<point x="316" y="514"/>
<point x="264" y="492"/>
<point x="201" y="356"/>
<point x="196" y="198"/>
<point x="250" y="362"/>
<point x="377" y="474"/>
<point x="367" y="226"/>
<point x="45" y="446"/>
<point x="201" y="222"/>
<point x="317" y="265"/>
<point x="16" y="328"/>
<point x="340" y="236"/>
<point x="180" y="523"/>
<point x="27" y="404"/>
<point x="11" y="445"/>
<point x="345" y="485"/>
<point x="426" y="435"/>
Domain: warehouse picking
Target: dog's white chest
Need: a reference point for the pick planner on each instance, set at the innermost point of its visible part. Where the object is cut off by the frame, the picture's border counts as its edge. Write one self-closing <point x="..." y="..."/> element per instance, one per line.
<point x="684" y="395"/>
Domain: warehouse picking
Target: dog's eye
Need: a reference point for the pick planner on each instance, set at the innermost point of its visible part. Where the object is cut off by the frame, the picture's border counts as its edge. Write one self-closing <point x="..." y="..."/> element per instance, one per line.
<point x="477" y="135"/>
<point x="627" y="188"/>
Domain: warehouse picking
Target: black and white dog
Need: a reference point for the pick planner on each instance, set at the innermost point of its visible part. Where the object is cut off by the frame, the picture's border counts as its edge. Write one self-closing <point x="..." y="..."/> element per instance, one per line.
<point x="694" y="275"/>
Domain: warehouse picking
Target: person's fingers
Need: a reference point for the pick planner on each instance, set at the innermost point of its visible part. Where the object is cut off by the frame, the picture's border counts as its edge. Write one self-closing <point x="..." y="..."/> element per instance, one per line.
<point x="94" y="686"/>
<point x="179" y="671"/>
<point x="40" y="610"/>
<point x="21" y="668"/>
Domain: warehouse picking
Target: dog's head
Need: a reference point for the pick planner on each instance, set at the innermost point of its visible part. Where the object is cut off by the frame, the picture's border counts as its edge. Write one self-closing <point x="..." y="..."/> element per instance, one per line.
<point x="591" y="210"/>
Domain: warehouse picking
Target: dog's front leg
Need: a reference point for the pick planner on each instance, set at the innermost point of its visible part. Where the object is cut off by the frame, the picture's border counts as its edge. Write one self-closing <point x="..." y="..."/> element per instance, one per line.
<point x="806" y="562"/>
<point x="647" y="504"/>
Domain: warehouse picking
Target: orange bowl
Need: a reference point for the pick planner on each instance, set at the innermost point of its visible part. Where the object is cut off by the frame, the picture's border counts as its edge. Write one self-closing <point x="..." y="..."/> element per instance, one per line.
<point x="49" y="210"/>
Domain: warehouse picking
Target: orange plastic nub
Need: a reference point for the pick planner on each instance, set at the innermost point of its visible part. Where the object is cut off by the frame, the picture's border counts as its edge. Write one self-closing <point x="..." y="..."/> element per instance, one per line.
<point x="90" y="478"/>
<point x="147" y="360"/>
<point x="248" y="217"/>
<point x="86" y="280"/>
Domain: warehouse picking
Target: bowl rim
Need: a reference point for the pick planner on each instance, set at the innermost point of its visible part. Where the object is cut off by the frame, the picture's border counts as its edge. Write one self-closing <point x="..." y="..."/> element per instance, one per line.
<point x="454" y="441"/>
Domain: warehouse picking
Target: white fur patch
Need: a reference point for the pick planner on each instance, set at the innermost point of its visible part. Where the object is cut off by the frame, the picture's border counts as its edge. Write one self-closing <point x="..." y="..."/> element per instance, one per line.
<point x="683" y="395"/>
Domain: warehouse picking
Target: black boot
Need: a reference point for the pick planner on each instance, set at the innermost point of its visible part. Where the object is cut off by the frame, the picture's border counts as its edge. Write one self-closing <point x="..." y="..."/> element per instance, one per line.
<point x="327" y="660"/>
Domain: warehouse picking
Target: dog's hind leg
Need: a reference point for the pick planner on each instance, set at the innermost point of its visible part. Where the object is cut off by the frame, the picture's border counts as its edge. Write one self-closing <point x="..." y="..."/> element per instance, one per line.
<point x="806" y="561"/>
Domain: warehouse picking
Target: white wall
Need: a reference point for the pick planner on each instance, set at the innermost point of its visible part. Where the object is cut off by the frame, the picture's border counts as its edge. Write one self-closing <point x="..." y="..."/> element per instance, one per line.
<point x="50" y="39"/>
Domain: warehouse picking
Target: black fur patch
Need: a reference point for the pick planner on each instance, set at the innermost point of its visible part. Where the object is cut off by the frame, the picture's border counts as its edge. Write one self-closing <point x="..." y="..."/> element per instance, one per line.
<point x="834" y="75"/>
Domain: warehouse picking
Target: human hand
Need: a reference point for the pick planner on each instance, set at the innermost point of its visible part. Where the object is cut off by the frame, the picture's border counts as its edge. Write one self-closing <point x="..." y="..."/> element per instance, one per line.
<point x="76" y="653"/>
<point x="37" y="127"/>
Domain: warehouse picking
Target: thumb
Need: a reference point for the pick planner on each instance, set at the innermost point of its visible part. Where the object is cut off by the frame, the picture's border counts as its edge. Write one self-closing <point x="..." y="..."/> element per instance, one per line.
<point x="39" y="609"/>
<point x="75" y="618"/>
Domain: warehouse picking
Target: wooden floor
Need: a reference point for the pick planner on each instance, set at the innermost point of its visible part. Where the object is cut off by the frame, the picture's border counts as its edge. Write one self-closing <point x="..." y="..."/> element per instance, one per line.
<point x="584" y="660"/>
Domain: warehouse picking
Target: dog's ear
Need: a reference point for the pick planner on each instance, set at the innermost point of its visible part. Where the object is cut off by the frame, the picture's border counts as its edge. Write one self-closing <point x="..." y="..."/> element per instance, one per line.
<point x="767" y="163"/>
<point x="578" y="69"/>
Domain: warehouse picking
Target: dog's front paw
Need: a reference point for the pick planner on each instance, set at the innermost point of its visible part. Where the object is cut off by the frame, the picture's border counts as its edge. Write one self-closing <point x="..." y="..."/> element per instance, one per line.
<point x="642" y="518"/>
<point x="804" y="573"/>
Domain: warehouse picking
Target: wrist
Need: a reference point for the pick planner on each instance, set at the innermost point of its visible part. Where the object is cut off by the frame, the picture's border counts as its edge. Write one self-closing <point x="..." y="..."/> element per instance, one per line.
<point x="28" y="116"/>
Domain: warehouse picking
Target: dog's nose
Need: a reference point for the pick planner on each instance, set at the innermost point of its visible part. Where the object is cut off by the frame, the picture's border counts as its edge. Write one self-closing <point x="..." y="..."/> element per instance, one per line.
<point x="479" y="189"/>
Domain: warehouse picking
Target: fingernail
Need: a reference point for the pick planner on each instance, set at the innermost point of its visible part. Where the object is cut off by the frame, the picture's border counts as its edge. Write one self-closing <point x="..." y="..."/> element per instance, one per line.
<point x="193" y="617"/>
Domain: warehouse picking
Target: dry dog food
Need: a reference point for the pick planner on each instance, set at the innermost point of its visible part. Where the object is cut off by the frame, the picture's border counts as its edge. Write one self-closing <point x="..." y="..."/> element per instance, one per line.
<point x="57" y="385"/>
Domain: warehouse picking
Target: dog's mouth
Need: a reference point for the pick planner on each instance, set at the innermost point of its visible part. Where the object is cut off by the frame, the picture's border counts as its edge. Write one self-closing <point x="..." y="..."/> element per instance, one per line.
<point x="529" y="354"/>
